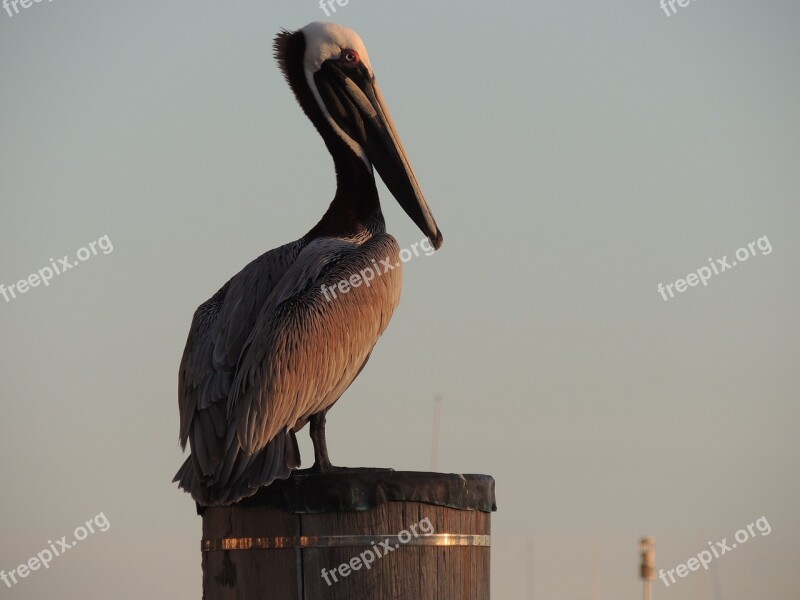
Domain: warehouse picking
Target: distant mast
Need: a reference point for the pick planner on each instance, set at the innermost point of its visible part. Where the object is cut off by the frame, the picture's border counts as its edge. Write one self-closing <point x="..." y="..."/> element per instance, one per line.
<point x="437" y="424"/>
<point x="529" y="571"/>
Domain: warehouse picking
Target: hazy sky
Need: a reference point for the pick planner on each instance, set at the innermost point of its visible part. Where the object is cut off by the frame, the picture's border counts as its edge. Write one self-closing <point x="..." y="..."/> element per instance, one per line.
<point x="574" y="154"/>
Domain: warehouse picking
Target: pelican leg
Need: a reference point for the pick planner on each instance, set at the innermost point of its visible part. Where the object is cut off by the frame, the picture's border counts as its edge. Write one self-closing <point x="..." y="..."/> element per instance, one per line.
<point x="322" y="463"/>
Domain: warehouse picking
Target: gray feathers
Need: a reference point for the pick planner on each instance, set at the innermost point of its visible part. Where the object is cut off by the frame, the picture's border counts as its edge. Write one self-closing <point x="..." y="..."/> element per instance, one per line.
<point x="268" y="351"/>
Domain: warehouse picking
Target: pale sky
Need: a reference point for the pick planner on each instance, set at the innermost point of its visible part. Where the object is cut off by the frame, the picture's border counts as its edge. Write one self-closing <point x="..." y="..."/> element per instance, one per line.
<point x="574" y="154"/>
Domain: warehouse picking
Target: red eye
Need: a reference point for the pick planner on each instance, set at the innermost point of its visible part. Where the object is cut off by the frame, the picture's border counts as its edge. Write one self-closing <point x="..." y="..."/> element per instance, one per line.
<point x="350" y="56"/>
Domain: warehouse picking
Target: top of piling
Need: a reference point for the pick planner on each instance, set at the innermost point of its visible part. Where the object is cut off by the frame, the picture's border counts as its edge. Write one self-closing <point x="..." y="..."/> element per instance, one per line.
<point x="363" y="489"/>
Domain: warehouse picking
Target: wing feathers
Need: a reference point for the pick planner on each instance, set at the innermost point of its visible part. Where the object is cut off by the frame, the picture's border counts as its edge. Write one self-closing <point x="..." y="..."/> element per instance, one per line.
<point x="268" y="351"/>
<point x="305" y="350"/>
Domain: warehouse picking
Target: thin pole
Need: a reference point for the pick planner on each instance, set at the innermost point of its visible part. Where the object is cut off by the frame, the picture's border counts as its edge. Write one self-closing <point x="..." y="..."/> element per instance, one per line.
<point x="597" y="566"/>
<point x="437" y="424"/>
<point x="529" y="570"/>
<point x="715" y="582"/>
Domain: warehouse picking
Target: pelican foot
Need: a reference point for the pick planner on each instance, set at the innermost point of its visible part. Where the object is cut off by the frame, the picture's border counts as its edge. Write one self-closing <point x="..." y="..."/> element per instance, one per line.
<point x="318" y="469"/>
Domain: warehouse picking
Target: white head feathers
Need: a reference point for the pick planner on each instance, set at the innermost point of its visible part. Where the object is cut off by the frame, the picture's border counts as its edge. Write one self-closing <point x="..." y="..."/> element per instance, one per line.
<point x="327" y="40"/>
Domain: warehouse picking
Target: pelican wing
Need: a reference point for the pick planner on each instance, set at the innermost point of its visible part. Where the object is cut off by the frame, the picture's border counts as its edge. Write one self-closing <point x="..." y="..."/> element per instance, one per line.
<point x="219" y="330"/>
<point x="306" y="349"/>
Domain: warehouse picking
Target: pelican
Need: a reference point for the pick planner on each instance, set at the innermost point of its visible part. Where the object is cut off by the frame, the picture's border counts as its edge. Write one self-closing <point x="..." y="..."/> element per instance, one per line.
<point x="272" y="350"/>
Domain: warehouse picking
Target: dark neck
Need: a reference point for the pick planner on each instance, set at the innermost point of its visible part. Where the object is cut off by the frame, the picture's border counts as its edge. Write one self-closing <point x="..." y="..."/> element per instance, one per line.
<point x="355" y="210"/>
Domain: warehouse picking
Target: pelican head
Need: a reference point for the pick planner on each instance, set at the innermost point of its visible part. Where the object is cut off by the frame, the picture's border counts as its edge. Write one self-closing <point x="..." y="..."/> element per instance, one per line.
<point x="329" y="71"/>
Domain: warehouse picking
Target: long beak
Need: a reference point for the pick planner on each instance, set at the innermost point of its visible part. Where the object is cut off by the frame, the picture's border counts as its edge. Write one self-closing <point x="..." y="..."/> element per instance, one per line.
<point x="385" y="151"/>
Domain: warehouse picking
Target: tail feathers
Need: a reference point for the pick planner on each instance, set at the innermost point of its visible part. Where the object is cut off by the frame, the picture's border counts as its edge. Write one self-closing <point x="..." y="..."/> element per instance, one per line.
<point x="275" y="461"/>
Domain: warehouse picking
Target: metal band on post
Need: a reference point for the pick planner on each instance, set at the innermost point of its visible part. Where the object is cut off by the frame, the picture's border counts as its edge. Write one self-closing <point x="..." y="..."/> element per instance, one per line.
<point x="301" y="529"/>
<point x="342" y="541"/>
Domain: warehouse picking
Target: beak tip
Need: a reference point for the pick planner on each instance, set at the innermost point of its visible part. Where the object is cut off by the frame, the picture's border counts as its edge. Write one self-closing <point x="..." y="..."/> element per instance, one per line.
<point x="438" y="240"/>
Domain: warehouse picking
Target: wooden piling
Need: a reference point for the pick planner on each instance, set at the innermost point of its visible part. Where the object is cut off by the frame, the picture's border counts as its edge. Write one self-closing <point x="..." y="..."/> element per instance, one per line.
<point x="368" y="534"/>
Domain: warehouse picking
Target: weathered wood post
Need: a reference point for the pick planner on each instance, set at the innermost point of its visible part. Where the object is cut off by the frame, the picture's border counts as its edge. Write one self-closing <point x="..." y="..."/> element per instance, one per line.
<point x="368" y="534"/>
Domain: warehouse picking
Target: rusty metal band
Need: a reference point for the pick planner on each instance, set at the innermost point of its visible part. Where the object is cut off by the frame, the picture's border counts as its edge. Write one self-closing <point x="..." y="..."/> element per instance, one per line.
<point x="343" y="541"/>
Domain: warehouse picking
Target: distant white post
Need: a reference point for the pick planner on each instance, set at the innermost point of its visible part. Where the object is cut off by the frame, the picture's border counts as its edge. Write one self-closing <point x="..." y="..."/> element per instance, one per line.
<point x="648" y="567"/>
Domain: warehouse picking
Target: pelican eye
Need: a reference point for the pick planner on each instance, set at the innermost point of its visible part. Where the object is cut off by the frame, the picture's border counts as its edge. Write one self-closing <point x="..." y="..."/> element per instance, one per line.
<point x="350" y="56"/>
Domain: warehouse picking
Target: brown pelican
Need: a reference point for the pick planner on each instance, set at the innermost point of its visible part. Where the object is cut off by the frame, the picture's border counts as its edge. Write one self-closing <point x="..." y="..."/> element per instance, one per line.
<point x="270" y="352"/>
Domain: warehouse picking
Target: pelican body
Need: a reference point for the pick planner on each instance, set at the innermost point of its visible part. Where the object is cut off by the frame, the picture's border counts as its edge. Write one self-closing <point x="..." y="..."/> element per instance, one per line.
<point x="269" y="352"/>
